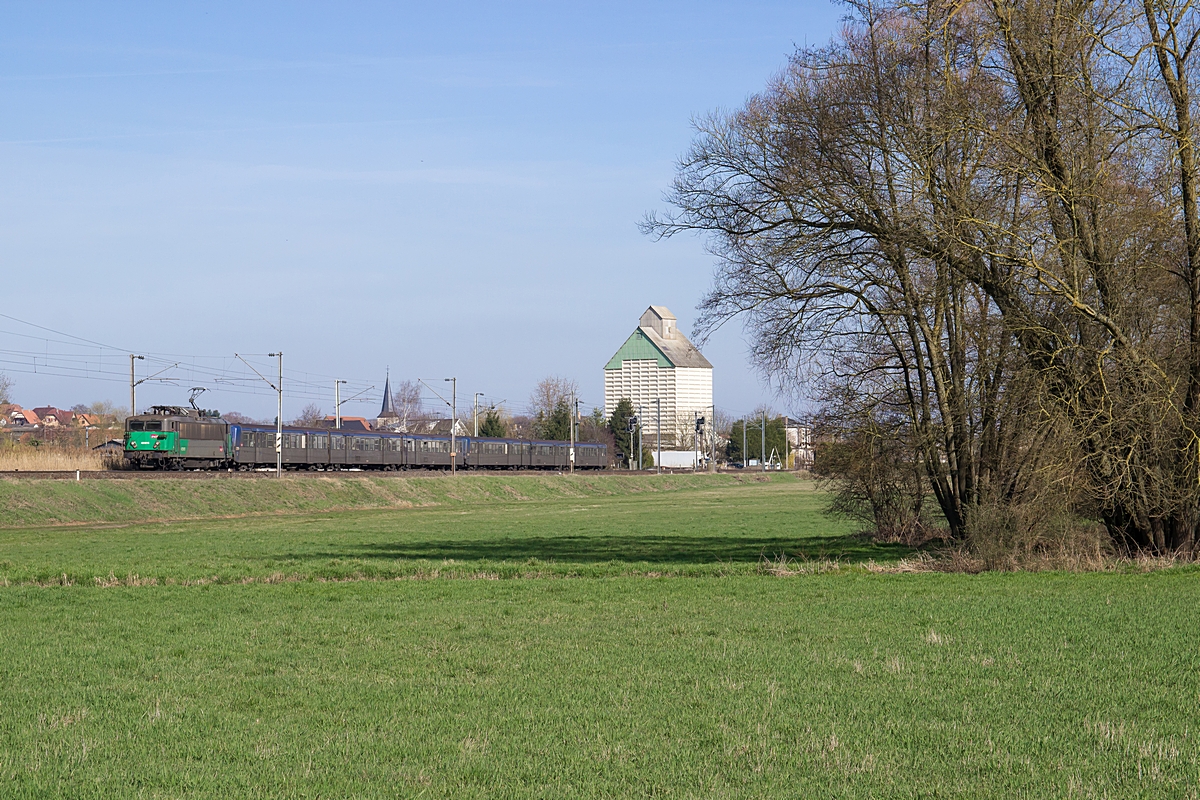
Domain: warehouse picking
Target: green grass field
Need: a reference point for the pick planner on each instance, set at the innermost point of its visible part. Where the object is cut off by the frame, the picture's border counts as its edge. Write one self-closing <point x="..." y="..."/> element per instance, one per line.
<point x="474" y="526"/>
<point x="583" y="675"/>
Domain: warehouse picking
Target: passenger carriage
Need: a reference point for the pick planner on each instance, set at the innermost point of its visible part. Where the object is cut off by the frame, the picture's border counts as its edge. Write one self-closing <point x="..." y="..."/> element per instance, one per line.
<point x="170" y="437"/>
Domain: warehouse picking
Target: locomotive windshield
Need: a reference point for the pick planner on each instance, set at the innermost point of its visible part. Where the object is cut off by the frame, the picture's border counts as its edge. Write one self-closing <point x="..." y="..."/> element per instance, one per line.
<point x="154" y="426"/>
<point x="137" y="425"/>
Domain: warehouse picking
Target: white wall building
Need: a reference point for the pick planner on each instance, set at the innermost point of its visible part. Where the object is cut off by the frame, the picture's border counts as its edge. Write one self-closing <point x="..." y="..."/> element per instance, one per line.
<point x="657" y="362"/>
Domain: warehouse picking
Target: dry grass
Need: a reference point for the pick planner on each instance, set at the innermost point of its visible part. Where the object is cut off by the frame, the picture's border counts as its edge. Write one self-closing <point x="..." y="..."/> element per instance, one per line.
<point x="961" y="559"/>
<point x="38" y="459"/>
<point x="782" y="566"/>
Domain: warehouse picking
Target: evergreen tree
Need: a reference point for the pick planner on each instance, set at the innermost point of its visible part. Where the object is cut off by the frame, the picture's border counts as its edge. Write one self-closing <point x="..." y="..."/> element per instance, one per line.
<point x="556" y="425"/>
<point x="492" y="425"/>
<point x="618" y="426"/>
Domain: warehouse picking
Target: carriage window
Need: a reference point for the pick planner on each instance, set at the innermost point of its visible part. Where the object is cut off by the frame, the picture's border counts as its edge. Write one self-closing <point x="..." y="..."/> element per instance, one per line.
<point x="339" y="442"/>
<point x="410" y="445"/>
<point x="318" y="441"/>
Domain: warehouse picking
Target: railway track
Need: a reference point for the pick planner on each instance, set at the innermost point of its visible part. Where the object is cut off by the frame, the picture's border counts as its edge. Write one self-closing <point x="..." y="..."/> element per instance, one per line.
<point x="199" y="475"/>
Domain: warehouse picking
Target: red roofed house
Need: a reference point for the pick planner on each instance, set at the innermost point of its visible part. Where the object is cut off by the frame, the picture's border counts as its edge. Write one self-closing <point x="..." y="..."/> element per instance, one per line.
<point x="53" y="417"/>
<point x="20" y="416"/>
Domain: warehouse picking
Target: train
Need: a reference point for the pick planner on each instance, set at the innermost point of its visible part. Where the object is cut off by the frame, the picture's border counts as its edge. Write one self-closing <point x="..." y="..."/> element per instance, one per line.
<point x="178" y="438"/>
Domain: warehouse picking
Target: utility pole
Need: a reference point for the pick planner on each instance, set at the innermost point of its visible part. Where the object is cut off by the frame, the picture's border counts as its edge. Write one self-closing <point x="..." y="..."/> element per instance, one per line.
<point x="786" y="443"/>
<point x="133" y="386"/>
<point x="477" y="396"/>
<point x="453" y="424"/>
<point x="574" y="413"/>
<point x="712" y="438"/>
<point x="630" y="425"/>
<point x="658" y="435"/>
<point x="278" y="387"/>
<point x="453" y="403"/>
<point x="337" y="404"/>
<point x="279" y="419"/>
<point x="745" y="461"/>
<point x="763" y="449"/>
<point x="639" y="427"/>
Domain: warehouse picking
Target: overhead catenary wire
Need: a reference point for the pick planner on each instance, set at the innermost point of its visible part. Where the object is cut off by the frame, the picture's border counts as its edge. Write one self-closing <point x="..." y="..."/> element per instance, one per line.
<point x="81" y="358"/>
<point x="100" y="361"/>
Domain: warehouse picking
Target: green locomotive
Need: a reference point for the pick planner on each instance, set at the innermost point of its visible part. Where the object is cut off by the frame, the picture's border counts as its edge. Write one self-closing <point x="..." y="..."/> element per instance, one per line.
<point x="168" y="437"/>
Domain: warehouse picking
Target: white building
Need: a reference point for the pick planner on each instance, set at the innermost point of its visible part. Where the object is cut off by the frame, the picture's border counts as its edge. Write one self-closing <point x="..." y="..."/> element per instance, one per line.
<point x="800" y="443"/>
<point x="658" y="363"/>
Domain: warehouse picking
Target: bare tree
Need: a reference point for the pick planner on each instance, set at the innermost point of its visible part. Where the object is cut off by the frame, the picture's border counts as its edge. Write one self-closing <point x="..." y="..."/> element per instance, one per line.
<point x="550" y="392"/>
<point x="980" y="221"/>
<point x="406" y="399"/>
<point x="310" y="416"/>
<point x="6" y="386"/>
<point x="815" y="193"/>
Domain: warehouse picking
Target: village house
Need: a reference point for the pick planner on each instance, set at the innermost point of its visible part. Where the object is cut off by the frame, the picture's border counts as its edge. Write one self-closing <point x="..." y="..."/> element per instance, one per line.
<point x="52" y="417"/>
<point x="15" y="416"/>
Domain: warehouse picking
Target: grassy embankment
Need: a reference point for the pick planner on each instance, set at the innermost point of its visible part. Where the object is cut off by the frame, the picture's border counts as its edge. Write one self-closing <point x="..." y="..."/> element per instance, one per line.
<point x="849" y="684"/>
<point x="39" y="503"/>
<point x="360" y="527"/>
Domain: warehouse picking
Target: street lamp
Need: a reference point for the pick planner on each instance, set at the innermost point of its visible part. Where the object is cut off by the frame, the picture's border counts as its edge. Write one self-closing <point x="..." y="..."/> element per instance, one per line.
<point x="477" y="396"/>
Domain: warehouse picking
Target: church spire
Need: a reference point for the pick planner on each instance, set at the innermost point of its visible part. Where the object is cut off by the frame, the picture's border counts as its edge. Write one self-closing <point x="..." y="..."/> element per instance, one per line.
<point x="387" y="410"/>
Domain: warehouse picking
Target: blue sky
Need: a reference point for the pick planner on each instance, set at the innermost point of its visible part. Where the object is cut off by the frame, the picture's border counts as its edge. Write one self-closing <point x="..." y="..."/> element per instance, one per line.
<point x="445" y="189"/>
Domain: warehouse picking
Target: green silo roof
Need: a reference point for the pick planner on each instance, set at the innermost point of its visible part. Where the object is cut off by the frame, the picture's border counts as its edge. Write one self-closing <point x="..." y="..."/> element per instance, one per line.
<point x="638" y="347"/>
